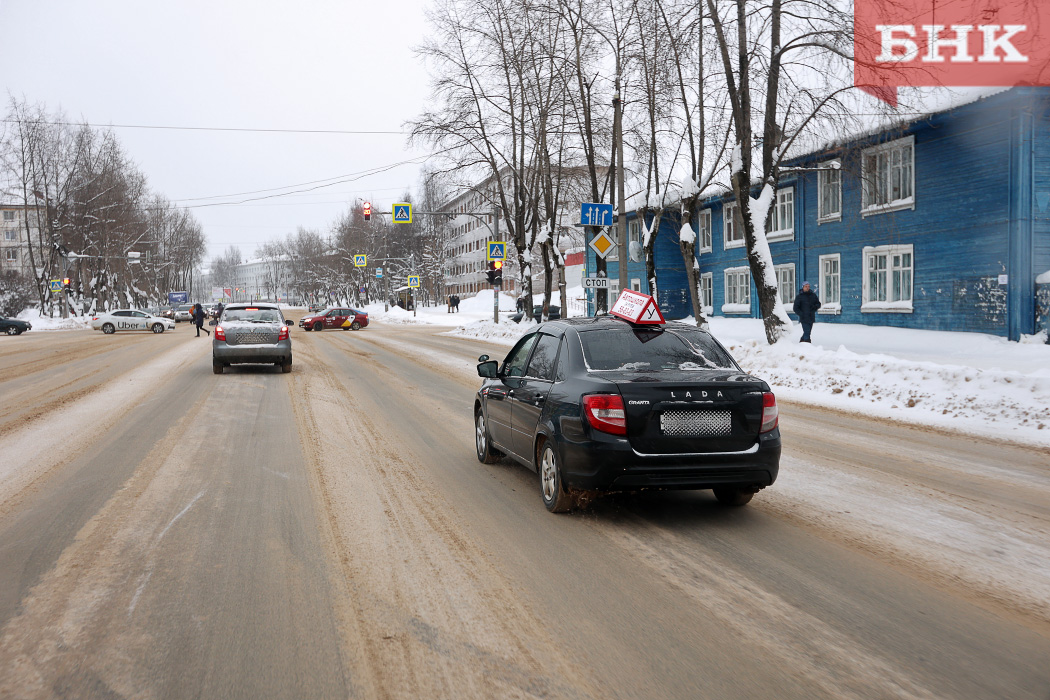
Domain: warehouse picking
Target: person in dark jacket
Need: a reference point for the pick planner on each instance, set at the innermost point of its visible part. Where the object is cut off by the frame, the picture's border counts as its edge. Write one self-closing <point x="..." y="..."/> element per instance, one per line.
<point x="805" y="307"/>
<point x="198" y="319"/>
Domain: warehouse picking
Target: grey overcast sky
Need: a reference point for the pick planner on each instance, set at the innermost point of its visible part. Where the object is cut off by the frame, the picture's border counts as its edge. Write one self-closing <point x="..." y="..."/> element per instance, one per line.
<point x="236" y="64"/>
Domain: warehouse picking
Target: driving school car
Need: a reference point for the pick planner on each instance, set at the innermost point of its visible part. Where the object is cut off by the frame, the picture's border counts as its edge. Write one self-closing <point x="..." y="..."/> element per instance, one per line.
<point x="130" y="320"/>
<point x="606" y="404"/>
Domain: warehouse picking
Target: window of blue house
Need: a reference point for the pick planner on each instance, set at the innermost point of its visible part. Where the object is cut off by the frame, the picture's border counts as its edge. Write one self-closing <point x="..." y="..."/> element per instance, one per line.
<point x="888" y="276"/>
<point x="733" y="232"/>
<point x="780" y="226"/>
<point x="703" y="244"/>
<point x="737" y="291"/>
<point x="786" y="283"/>
<point x="707" y="296"/>
<point x="829" y="289"/>
<point x="888" y="176"/>
<point x="829" y="199"/>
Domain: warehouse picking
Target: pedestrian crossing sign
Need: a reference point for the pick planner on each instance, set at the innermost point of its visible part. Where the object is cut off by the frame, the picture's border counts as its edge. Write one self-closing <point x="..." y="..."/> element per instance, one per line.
<point x="402" y="213"/>
<point x="413" y="280"/>
<point x="497" y="250"/>
<point x="56" y="285"/>
<point x="360" y="260"/>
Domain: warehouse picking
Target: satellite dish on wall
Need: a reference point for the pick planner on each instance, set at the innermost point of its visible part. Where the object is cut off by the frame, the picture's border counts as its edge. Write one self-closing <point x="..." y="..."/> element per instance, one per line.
<point x="634" y="250"/>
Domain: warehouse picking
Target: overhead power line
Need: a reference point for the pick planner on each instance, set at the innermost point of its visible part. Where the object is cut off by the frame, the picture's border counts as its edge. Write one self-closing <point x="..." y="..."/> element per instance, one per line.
<point x="206" y="128"/>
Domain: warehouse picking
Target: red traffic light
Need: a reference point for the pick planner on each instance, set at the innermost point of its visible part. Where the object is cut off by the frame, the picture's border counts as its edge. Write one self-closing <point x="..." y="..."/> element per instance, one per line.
<point x="367" y="209"/>
<point x="497" y="264"/>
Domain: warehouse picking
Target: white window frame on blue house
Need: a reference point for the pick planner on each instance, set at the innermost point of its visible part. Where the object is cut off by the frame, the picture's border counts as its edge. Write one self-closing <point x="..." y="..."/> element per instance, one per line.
<point x="780" y="225"/>
<point x="889" y="279"/>
<point x="636" y="284"/>
<point x="703" y="244"/>
<point x="634" y="231"/>
<point x="737" y="282"/>
<point x="786" y="283"/>
<point x="707" y="293"/>
<point x="829" y="194"/>
<point x="888" y="177"/>
<point x="830" y="281"/>
<point x="729" y="227"/>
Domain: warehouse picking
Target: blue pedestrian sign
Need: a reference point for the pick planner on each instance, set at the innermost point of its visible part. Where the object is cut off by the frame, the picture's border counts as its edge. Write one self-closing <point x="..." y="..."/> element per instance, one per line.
<point x="379" y="272"/>
<point x="402" y="213"/>
<point x="497" y="250"/>
<point x="593" y="214"/>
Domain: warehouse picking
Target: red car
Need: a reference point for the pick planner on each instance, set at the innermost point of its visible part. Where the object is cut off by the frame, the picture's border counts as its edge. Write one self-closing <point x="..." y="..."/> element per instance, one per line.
<point x="338" y="317"/>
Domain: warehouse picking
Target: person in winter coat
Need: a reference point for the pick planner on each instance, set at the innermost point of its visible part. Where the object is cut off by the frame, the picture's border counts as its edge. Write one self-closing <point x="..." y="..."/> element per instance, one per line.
<point x="805" y="307"/>
<point x="455" y="303"/>
<point x="198" y="319"/>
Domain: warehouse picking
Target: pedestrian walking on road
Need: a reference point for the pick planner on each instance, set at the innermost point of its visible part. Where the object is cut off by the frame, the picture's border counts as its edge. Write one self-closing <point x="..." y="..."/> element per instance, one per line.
<point x="449" y="304"/>
<point x="455" y="303"/>
<point x="805" y="307"/>
<point x="198" y="320"/>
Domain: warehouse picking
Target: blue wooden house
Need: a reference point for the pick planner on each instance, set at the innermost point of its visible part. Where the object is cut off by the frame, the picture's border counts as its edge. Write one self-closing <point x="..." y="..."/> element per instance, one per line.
<point x="940" y="223"/>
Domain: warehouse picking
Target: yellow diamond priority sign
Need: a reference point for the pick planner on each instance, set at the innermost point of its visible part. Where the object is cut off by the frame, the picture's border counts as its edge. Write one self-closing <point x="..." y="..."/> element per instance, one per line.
<point x="602" y="244"/>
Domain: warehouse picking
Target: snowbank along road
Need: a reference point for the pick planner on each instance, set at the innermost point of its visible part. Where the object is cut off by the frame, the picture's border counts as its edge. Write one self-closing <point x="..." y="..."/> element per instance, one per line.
<point x="166" y="532"/>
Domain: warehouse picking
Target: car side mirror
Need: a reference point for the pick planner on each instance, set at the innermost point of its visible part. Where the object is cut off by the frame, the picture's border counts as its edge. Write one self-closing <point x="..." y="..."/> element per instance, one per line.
<point x="287" y="322"/>
<point x="488" y="369"/>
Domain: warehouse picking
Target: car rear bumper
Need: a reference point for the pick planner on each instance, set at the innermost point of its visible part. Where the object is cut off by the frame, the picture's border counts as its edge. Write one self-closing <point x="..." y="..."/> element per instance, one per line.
<point x="612" y="465"/>
<point x="251" y="354"/>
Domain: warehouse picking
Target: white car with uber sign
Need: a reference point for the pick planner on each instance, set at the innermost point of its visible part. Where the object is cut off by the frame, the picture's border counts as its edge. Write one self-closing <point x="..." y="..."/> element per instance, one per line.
<point x="130" y="320"/>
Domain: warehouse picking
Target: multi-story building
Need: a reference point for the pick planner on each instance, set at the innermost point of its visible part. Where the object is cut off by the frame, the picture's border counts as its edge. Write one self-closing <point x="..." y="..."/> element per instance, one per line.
<point x="472" y="224"/>
<point x="14" y="244"/>
<point x="941" y="222"/>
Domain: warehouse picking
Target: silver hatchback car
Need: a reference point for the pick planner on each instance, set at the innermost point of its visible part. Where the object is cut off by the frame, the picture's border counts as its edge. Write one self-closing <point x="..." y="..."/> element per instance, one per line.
<point x="251" y="334"/>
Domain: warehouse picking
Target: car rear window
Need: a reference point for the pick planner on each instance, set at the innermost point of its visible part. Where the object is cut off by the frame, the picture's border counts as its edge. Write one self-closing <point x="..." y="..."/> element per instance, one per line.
<point x="652" y="350"/>
<point x="261" y="315"/>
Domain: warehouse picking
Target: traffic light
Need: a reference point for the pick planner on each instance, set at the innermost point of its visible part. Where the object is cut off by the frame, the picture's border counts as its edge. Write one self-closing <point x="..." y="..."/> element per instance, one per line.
<point x="66" y="283"/>
<point x="367" y="209"/>
<point x="490" y="273"/>
<point x="497" y="275"/>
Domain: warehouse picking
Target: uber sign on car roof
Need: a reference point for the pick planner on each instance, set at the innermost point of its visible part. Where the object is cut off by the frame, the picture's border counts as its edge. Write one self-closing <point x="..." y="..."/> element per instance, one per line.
<point x="627" y="402"/>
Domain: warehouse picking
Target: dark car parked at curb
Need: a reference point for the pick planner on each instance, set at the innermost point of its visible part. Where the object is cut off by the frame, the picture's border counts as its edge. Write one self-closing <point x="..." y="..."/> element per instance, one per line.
<point x="13" y="326"/>
<point x="553" y="313"/>
<point x="251" y="334"/>
<point x="600" y="404"/>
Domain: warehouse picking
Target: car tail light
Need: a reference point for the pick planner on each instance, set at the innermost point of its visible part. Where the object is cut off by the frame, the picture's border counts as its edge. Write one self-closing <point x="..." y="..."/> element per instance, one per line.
<point x="283" y="334"/>
<point x="770" y="413"/>
<point x="220" y="334"/>
<point x="605" y="413"/>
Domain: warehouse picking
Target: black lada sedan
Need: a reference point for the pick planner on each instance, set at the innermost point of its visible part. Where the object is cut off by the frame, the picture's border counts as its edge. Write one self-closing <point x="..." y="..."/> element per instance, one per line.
<point x="603" y="404"/>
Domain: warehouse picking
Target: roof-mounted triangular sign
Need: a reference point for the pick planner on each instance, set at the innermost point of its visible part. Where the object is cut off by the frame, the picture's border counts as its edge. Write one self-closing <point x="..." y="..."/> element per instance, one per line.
<point x="637" y="308"/>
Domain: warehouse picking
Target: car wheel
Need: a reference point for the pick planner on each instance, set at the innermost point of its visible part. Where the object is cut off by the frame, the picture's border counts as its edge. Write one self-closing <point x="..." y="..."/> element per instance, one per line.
<point x="286" y="367"/>
<point x="733" y="496"/>
<point x="216" y="367"/>
<point x="11" y="330"/>
<point x="346" y="328"/>
<point x="108" y="328"/>
<point x="158" y="328"/>
<point x="355" y="326"/>
<point x="318" y="326"/>
<point x="555" y="497"/>
<point x="486" y="454"/>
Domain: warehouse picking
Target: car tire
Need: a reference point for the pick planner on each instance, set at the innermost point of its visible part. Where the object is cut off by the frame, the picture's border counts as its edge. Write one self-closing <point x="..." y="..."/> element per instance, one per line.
<point x="729" y="496"/>
<point x="307" y="328"/>
<point x="286" y="367"/>
<point x="555" y="497"/>
<point x="108" y="328"/>
<point x="355" y="326"/>
<point x="346" y="328"/>
<point x="482" y="443"/>
<point x="216" y="367"/>
<point x="157" y="328"/>
<point x="11" y="330"/>
<point x="318" y="326"/>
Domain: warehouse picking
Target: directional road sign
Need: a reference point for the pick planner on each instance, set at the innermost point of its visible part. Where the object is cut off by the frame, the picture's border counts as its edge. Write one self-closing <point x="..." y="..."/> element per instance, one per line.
<point x="360" y="260"/>
<point x="402" y="213"/>
<point x="497" y="250"/>
<point x="413" y="280"/>
<point x="602" y="244"/>
<point x="594" y="214"/>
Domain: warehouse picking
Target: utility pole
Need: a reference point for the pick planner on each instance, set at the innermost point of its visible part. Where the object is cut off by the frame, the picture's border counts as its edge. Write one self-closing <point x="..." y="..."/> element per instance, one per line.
<point x="493" y="230"/>
<point x="621" y="218"/>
